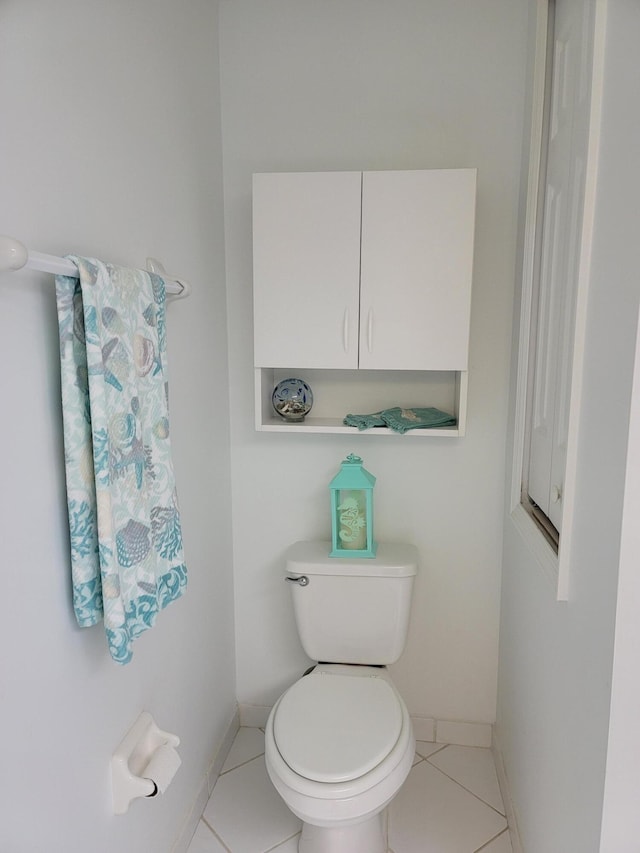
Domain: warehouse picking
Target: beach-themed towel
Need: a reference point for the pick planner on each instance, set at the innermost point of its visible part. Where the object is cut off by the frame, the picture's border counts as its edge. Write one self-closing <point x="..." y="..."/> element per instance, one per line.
<point x="126" y="542"/>
<point x="402" y="420"/>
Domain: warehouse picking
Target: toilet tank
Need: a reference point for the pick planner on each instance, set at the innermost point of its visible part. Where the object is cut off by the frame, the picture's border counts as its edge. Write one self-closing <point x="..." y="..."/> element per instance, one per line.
<point x="352" y="610"/>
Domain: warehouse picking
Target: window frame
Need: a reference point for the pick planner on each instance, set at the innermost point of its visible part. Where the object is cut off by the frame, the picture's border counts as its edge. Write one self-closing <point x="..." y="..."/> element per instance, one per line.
<point x="555" y="564"/>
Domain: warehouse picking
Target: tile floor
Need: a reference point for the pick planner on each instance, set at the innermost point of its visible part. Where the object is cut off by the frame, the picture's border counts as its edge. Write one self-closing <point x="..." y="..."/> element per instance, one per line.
<point x="450" y="803"/>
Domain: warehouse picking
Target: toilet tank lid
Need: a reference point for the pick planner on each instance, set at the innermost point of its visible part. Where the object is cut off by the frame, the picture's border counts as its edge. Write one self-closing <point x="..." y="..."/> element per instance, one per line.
<point x="393" y="560"/>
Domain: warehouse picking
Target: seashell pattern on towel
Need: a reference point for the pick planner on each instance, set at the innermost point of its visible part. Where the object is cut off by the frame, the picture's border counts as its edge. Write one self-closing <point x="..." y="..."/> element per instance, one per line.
<point x="112" y="321"/>
<point x="161" y="428"/>
<point x="144" y="354"/>
<point x="149" y="314"/>
<point x="132" y="543"/>
<point x="122" y="429"/>
<point x="78" y="316"/>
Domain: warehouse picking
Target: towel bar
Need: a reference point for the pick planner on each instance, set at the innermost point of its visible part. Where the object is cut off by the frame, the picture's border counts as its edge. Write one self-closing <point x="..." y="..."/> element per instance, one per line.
<point x="14" y="255"/>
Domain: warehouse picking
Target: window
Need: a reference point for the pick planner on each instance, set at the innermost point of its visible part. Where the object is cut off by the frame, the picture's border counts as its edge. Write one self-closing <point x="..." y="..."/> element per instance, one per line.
<point x="563" y="159"/>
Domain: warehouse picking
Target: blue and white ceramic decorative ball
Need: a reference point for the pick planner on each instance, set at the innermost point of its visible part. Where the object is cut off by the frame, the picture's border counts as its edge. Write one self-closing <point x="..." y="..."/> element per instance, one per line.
<point x="292" y="399"/>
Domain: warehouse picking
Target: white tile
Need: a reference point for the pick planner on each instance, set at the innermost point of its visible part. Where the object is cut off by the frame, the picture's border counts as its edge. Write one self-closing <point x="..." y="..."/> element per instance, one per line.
<point x="247" y="812"/>
<point x="204" y="841"/>
<point x="290" y="846"/>
<point x="425" y="749"/>
<point x="432" y="814"/>
<point x="474" y="769"/>
<point x="248" y="744"/>
<point x="465" y="734"/>
<point x="501" y="844"/>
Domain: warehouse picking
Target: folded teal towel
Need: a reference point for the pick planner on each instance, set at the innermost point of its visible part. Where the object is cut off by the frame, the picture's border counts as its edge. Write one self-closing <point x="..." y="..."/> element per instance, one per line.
<point x="402" y="420"/>
<point x="126" y="540"/>
<point x="364" y="421"/>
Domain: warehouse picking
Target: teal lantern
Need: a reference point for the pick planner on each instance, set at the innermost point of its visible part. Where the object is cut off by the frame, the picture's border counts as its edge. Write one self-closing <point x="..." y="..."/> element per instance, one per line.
<point x="352" y="510"/>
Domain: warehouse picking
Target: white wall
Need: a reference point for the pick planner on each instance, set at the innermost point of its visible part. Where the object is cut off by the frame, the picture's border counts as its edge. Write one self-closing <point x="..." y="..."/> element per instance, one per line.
<point x="556" y="658"/>
<point x="621" y="820"/>
<point x="619" y="256"/>
<point x="110" y="145"/>
<point x="377" y="85"/>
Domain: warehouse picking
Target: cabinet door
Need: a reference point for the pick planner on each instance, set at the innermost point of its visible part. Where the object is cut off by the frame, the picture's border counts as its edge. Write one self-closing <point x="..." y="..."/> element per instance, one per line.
<point x="306" y="266"/>
<point x="417" y="256"/>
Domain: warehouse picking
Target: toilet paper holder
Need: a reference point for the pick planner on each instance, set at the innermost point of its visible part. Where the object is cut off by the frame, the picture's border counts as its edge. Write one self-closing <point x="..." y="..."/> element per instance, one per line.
<point x="144" y="763"/>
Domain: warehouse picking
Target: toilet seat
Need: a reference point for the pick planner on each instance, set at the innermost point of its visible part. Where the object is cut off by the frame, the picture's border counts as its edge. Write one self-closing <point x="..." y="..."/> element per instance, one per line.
<point x="333" y="728"/>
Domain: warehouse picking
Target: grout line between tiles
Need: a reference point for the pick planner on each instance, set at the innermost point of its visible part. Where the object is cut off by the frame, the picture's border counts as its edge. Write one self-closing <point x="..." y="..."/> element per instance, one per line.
<point x="217" y="837"/>
<point x="491" y="840"/>
<point x="431" y="754"/>
<point x="242" y="764"/>
<point x="284" y="841"/>
<point x="460" y="785"/>
<point x="419" y="761"/>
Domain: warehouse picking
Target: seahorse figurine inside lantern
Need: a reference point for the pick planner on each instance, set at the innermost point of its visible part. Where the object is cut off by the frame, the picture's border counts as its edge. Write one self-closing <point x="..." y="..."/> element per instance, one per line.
<point x="353" y="524"/>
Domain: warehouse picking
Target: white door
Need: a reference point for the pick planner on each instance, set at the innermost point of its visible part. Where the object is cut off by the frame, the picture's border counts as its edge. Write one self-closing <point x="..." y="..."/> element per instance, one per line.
<point x="306" y="265"/>
<point x="416" y="265"/>
<point x="568" y="137"/>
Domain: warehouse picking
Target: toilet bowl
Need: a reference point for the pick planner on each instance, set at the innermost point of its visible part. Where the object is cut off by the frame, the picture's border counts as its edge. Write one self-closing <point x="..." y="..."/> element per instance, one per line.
<point x="338" y="746"/>
<point x="339" y="742"/>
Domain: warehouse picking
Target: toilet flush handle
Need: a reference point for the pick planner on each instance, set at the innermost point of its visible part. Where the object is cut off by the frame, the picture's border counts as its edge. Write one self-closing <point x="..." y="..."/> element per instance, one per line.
<point x="303" y="580"/>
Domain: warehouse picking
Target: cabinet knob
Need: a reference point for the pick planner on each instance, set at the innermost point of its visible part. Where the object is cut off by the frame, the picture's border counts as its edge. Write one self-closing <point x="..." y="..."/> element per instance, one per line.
<point x="556" y="494"/>
<point x="370" y="330"/>
<point x="345" y="330"/>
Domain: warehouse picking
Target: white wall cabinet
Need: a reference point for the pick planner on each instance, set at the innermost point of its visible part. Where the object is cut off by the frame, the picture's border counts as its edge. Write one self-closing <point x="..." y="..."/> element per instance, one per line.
<point x="363" y="272"/>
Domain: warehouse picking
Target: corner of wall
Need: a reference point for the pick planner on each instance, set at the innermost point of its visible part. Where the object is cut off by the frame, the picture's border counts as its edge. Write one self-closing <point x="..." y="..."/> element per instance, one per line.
<point x="503" y="782"/>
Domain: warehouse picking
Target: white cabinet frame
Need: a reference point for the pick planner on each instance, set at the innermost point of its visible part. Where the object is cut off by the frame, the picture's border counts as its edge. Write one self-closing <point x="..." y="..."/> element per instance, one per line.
<point x="388" y="258"/>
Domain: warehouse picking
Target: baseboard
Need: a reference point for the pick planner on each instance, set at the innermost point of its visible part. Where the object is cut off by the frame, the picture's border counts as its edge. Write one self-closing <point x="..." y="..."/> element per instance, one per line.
<point x="451" y="731"/>
<point x="424" y="728"/>
<point x="463" y="734"/>
<point x="181" y="844"/>
<point x="254" y="716"/>
<point x="503" y="782"/>
<point x="220" y="757"/>
<point x="190" y="822"/>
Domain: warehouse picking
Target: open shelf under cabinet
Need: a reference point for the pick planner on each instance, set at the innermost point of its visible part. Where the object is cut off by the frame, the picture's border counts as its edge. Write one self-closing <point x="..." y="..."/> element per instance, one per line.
<point x="341" y="392"/>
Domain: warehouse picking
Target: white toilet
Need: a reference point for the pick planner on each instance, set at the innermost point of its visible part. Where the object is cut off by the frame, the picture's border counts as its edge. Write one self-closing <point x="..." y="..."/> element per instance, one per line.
<point x="339" y="742"/>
